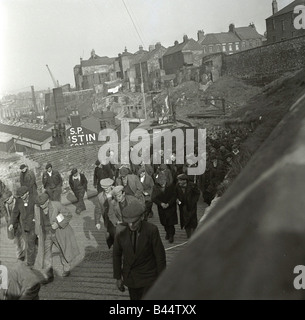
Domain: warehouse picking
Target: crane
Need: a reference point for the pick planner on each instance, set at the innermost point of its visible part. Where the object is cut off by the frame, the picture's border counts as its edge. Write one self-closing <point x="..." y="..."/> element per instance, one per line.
<point x="56" y="84"/>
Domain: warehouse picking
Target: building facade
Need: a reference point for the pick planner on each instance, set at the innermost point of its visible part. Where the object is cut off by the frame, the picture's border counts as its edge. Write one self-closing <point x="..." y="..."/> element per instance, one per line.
<point x="235" y="40"/>
<point x="280" y="26"/>
<point x="187" y="53"/>
<point x="94" y="71"/>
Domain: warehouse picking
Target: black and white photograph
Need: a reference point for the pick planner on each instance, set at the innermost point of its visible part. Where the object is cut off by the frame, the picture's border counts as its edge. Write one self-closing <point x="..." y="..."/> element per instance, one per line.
<point x="152" y="151"/>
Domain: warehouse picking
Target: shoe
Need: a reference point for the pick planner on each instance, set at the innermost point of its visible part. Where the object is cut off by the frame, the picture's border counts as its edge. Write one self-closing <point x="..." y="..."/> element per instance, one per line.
<point x="21" y="258"/>
<point x="171" y="239"/>
<point x="49" y="277"/>
<point x="66" y="273"/>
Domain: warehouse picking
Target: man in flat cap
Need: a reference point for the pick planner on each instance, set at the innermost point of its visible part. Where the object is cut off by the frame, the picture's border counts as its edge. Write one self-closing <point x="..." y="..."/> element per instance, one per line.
<point x="101" y="172"/>
<point x="15" y="234"/>
<point x="23" y="212"/>
<point x="164" y="196"/>
<point x="188" y="195"/>
<point x="28" y="179"/>
<point x="105" y="213"/>
<point x="52" y="182"/>
<point x="138" y="253"/>
<point x="131" y="183"/>
<point x="164" y="169"/>
<point x="148" y="185"/>
<point x="52" y="226"/>
<point x="78" y="184"/>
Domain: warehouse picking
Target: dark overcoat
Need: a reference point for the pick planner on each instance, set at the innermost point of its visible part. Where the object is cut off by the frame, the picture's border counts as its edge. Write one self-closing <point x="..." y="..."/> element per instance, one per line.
<point x="141" y="268"/>
<point x="168" y="216"/>
<point x="188" y="206"/>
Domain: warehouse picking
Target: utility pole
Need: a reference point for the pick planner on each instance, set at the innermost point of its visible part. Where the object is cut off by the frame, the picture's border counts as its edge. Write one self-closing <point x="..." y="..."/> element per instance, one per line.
<point x="142" y="89"/>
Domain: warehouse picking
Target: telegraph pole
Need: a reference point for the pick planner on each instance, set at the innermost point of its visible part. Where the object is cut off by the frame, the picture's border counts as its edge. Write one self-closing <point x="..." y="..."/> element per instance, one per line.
<point x="142" y="89"/>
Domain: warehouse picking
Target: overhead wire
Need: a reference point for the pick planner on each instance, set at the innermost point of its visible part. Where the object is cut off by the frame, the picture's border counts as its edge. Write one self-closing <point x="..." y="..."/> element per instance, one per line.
<point x="132" y="20"/>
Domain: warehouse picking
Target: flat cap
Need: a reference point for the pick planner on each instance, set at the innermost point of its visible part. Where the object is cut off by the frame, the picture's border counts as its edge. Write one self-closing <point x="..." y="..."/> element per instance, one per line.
<point x="133" y="211"/>
<point x="48" y="165"/>
<point x="105" y="183"/>
<point x="117" y="189"/>
<point x="73" y="171"/>
<point x="22" y="166"/>
<point x="7" y="194"/>
<point x="41" y="199"/>
<point x="163" y="166"/>
<point x="21" y="191"/>
<point x="124" y="172"/>
<point x="182" y="176"/>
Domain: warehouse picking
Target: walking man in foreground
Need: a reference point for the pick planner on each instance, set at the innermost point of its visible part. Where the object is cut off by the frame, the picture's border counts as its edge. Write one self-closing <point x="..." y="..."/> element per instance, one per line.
<point x="138" y="253"/>
<point x="52" y="226"/>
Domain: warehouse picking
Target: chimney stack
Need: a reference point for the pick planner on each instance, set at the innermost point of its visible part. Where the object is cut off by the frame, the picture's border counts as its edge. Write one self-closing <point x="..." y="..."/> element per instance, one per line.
<point x="176" y="43"/>
<point x="274" y="7"/>
<point x="185" y="38"/>
<point x="231" y="27"/>
<point x="158" y="45"/>
<point x="200" y="35"/>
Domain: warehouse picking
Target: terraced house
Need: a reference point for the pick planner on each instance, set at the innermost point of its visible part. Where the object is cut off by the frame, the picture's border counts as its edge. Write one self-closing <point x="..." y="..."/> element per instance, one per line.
<point x="235" y="40"/>
<point x="187" y="53"/>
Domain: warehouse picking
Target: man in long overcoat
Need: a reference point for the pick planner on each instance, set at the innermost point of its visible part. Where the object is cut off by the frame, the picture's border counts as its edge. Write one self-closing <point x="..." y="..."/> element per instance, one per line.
<point x="164" y="196"/>
<point x="138" y="253"/>
<point x="188" y="195"/>
<point x="23" y="213"/>
<point x="52" y="226"/>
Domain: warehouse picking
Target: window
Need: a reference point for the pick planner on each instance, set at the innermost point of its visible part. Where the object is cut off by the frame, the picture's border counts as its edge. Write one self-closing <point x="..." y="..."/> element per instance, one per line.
<point x="204" y="49"/>
<point x="230" y="47"/>
<point x="237" y="46"/>
<point x="211" y="49"/>
<point x="283" y="25"/>
<point x="224" y="49"/>
<point x="218" y="47"/>
<point x="258" y="42"/>
<point x="273" y="24"/>
<point x="243" y="45"/>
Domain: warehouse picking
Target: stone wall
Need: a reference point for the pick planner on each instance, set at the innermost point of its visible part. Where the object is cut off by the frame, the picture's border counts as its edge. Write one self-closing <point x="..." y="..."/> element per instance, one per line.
<point x="268" y="61"/>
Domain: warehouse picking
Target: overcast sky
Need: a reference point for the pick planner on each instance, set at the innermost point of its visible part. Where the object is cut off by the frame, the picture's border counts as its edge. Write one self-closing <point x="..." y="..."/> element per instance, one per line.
<point x="34" y="33"/>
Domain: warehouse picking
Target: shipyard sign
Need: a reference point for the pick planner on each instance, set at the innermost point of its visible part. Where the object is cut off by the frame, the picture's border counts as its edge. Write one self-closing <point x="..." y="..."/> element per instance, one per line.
<point x="79" y="136"/>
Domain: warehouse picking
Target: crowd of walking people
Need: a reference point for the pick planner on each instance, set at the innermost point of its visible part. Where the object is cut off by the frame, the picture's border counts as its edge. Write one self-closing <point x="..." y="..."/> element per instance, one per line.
<point x="126" y="194"/>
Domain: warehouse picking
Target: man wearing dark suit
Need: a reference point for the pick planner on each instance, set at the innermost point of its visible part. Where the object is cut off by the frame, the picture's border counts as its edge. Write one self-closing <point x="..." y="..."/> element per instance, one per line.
<point x="140" y="249"/>
<point x="52" y="182"/>
<point x="24" y="212"/>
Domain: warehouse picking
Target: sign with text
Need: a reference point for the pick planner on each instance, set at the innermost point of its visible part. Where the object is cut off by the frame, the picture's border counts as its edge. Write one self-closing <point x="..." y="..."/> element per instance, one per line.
<point x="79" y="136"/>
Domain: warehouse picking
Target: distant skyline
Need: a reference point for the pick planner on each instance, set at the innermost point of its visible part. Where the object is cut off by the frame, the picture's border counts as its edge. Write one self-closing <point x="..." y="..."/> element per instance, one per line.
<point x="34" y="33"/>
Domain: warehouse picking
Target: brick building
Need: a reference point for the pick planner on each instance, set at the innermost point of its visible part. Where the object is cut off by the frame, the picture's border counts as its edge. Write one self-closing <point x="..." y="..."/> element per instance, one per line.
<point x="149" y="68"/>
<point x="280" y="25"/>
<point x="235" y="40"/>
<point x="94" y="71"/>
<point x="187" y="53"/>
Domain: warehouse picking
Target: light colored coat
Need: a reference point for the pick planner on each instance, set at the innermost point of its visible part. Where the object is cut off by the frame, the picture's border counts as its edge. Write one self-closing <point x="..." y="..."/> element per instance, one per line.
<point x="64" y="234"/>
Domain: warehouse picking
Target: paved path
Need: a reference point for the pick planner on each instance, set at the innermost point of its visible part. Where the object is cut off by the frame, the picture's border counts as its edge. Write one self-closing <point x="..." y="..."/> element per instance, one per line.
<point x="91" y="274"/>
